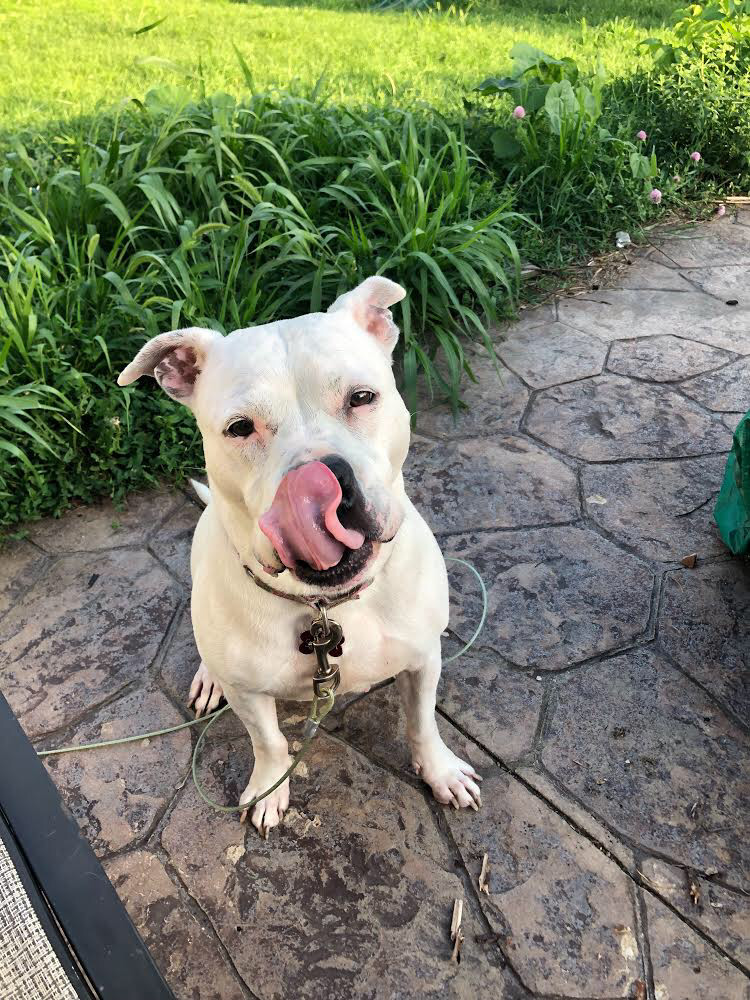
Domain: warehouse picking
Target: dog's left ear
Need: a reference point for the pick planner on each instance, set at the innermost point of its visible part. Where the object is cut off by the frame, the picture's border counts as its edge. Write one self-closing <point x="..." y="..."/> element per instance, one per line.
<point x="174" y="359"/>
<point x="369" y="305"/>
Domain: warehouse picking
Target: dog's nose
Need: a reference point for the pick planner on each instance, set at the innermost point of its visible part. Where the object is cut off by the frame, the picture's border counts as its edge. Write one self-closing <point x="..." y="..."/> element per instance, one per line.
<point x="347" y="480"/>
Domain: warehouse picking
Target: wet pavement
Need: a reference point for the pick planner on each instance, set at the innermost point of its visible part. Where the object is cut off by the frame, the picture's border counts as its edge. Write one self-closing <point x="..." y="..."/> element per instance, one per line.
<point x="606" y="705"/>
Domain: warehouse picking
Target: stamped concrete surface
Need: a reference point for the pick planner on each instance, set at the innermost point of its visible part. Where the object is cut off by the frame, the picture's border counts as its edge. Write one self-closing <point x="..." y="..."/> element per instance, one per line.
<point x="607" y="703"/>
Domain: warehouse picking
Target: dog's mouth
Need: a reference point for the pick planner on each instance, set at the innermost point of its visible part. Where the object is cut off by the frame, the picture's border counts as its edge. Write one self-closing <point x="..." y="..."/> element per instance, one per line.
<point x="351" y="564"/>
<point x="319" y="532"/>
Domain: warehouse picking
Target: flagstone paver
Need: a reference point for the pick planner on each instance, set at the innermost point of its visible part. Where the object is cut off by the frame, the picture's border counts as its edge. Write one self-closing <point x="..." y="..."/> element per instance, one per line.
<point x="728" y="282"/>
<point x="652" y="272"/>
<point x="552" y="354"/>
<point x="648" y="751"/>
<point x="20" y="565"/>
<point x="556" y="595"/>
<point x="685" y="966"/>
<point x="172" y="540"/>
<point x="621" y="314"/>
<point x="117" y="794"/>
<point x="105" y="526"/>
<point x="705" y="628"/>
<point x="726" y="390"/>
<point x="182" y="946"/>
<point x="501" y="483"/>
<point x="494" y="404"/>
<point x="722" y="242"/>
<point x="662" y="510"/>
<point x="664" y="359"/>
<point x="610" y="417"/>
<point x="723" y="914"/>
<point x="564" y="912"/>
<point x="352" y="897"/>
<point x="606" y="703"/>
<point x="506" y="715"/>
<point x="730" y="420"/>
<point x="88" y="626"/>
<point x="376" y="725"/>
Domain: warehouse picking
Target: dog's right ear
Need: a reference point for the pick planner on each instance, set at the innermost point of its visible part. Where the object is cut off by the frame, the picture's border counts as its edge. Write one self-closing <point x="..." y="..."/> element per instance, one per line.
<point x="174" y="359"/>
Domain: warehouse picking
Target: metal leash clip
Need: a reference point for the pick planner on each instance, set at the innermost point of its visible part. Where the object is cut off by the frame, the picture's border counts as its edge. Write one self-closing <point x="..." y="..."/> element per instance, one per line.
<point x="325" y="636"/>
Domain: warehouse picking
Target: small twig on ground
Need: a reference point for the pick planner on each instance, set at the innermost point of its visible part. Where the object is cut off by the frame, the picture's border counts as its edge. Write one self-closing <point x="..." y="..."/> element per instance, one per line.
<point x="485" y="874"/>
<point x="457" y="936"/>
<point x="694" y="891"/>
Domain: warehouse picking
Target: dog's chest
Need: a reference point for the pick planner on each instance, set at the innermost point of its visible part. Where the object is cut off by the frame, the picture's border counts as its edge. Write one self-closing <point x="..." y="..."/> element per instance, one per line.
<point x="269" y="659"/>
<point x="365" y="659"/>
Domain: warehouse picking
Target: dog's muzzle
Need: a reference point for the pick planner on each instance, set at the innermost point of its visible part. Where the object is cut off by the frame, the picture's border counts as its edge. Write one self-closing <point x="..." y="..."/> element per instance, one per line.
<point x="318" y="522"/>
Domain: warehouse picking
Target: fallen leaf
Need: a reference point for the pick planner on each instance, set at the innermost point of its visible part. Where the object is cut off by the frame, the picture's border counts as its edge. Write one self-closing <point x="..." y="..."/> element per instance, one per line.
<point x="689" y="561"/>
<point x="597" y="499"/>
<point x="640" y="990"/>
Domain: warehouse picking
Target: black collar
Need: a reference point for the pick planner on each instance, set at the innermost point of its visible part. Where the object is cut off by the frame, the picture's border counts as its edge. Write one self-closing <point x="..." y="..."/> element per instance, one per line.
<point x="313" y="602"/>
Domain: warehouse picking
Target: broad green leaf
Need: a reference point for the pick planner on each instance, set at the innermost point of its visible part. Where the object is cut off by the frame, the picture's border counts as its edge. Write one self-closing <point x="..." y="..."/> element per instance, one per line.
<point x="560" y="105"/>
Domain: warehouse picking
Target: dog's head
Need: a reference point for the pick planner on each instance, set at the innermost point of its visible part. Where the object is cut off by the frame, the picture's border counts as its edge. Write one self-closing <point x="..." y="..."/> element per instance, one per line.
<point x="303" y="430"/>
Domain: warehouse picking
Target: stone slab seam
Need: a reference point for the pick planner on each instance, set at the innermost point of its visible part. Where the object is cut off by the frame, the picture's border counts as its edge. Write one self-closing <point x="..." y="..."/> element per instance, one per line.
<point x="462" y="870"/>
<point x="673" y="383"/>
<point x="634" y="876"/>
<point x="47" y="564"/>
<point x="722" y="706"/>
<point x="153" y="552"/>
<point x="726" y="710"/>
<point x="202" y="917"/>
<point x="644" y="941"/>
<point x="60" y="734"/>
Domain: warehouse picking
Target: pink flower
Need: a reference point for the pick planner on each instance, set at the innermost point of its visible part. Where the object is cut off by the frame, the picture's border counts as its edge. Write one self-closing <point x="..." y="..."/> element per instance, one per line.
<point x="677" y="178"/>
<point x="721" y="210"/>
<point x="695" y="156"/>
<point x="655" y="196"/>
<point x="519" y="112"/>
<point x="641" y="135"/>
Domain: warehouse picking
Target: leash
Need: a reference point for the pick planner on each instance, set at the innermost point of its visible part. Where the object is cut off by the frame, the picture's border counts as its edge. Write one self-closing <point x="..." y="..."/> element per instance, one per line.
<point x="325" y="637"/>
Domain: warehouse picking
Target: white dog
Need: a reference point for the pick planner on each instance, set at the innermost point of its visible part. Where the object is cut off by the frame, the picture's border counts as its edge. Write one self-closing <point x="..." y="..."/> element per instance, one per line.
<point x="305" y="436"/>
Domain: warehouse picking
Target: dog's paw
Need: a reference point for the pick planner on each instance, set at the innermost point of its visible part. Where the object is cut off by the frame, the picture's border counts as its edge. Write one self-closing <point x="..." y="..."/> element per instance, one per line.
<point x="205" y="693"/>
<point x="452" y="780"/>
<point x="269" y="812"/>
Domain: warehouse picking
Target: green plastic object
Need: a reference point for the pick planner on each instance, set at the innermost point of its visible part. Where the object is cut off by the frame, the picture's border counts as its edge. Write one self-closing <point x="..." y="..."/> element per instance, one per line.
<point x="732" y="512"/>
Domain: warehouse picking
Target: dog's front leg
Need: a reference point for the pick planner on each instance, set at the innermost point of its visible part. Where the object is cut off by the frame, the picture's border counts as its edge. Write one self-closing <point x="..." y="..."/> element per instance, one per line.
<point x="258" y="713"/>
<point x="452" y="780"/>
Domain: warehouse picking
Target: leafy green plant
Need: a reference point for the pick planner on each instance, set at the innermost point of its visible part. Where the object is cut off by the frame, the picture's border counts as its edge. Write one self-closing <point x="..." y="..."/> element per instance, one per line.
<point x="715" y="35"/>
<point x="572" y="174"/>
<point x="552" y="98"/>
<point x="689" y="111"/>
<point x="226" y="214"/>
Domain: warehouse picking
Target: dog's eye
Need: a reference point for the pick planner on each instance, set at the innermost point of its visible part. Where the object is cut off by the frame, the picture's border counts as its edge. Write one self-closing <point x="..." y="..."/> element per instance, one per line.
<point x="361" y="398"/>
<point x="240" y="429"/>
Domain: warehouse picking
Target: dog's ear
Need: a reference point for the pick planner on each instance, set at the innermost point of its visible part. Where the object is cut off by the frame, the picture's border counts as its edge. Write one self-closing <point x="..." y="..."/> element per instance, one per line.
<point x="174" y="359"/>
<point x="369" y="304"/>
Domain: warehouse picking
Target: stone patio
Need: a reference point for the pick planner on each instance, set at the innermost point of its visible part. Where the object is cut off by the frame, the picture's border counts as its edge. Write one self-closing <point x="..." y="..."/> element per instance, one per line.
<point x="607" y="704"/>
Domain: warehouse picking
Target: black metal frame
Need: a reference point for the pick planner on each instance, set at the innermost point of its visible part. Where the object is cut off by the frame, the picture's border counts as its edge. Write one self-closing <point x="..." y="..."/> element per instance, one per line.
<point x="80" y="911"/>
<point x="51" y="929"/>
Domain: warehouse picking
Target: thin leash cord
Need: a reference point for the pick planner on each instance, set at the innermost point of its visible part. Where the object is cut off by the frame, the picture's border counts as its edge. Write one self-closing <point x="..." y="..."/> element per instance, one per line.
<point x="318" y="711"/>
<point x="482" y="620"/>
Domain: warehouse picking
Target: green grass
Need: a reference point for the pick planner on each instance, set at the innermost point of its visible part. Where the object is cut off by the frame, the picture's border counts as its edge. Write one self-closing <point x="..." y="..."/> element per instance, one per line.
<point x="223" y="214"/>
<point x="64" y="58"/>
<point x="239" y="162"/>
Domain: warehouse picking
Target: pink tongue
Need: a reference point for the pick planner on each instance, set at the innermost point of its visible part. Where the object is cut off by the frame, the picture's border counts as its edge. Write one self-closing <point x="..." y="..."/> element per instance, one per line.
<point x="302" y="523"/>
